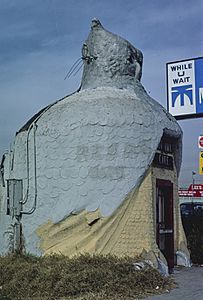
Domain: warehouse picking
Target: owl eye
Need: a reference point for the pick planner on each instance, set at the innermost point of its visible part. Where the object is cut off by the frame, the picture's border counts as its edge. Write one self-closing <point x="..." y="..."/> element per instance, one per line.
<point x="132" y="56"/>
<point x="86" y="55"/>
<point x="131" y="59"/>
<point x="85" y="51"/>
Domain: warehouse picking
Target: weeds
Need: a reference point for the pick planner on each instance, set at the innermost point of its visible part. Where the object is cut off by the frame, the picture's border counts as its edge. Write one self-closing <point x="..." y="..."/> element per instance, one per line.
<point x="83" y="278"/>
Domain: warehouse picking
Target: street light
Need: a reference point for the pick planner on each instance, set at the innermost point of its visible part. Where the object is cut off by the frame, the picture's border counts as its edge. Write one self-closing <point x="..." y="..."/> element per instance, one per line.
<point x="193" y="178"/>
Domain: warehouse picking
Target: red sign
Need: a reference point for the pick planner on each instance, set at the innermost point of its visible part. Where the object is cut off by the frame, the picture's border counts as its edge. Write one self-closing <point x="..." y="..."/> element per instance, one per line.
<point x="195" y="187"/>
<point x="200" y="141"/>
<point x="185" y="193"/>
<point x="194" y="190"/>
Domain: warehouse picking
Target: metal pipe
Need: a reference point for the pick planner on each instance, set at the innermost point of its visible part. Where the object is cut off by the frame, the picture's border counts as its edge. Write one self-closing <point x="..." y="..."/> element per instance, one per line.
<point x="2" y="170"/>
<point x="27" y="161"/>
<point x="35" y="172"/>
<point x="193" y="182"/>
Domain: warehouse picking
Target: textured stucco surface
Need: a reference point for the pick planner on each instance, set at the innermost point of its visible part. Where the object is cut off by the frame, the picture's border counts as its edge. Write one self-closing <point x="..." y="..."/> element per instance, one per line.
<point x="100" y="153"/>
<point x="92" y="148"/>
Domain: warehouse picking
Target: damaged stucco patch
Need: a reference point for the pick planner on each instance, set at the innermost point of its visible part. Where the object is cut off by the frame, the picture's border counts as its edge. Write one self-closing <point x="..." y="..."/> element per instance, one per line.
<point x="120" y="234"/>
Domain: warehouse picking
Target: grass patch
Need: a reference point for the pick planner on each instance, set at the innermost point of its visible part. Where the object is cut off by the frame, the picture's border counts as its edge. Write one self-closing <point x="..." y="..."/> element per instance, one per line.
<point x="83" y="278"/>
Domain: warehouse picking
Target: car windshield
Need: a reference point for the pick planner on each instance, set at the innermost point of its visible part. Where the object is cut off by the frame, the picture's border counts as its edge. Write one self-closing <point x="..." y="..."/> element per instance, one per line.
<point x="189" y="208"/>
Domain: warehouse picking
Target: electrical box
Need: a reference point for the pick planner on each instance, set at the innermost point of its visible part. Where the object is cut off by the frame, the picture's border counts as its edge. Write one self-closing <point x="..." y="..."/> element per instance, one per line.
<point x="14" y="197"/>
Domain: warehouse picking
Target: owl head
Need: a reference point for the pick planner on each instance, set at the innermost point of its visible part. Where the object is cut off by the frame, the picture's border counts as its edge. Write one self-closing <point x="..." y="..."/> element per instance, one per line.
<point x="109" y="60"/>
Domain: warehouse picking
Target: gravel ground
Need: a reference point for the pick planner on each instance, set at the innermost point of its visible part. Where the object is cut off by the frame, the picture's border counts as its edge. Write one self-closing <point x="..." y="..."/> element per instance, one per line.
<point x="190" y="285"/>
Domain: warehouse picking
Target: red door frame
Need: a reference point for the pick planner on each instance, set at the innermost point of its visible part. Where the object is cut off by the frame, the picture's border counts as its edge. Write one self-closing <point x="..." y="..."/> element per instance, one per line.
<point x="165" y="220"/>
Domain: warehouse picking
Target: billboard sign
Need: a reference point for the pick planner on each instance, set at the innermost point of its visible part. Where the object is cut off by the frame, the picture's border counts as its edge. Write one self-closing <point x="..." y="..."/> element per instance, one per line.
<point x="194" y="190"/>
<point x="185" y="88"/>
<point x="201" y="163"/>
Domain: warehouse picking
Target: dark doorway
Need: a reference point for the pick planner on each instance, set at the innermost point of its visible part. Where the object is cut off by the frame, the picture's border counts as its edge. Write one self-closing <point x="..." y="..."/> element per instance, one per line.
<point x="164" y="220"/>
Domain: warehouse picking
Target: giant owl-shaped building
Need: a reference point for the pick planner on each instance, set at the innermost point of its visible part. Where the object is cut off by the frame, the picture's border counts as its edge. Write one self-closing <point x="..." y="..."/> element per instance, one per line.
<point x="97" y="170"/>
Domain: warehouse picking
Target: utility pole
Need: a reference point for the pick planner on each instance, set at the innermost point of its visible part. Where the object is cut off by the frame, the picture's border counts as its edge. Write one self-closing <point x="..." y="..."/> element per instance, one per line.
<point x="193" y="182"/>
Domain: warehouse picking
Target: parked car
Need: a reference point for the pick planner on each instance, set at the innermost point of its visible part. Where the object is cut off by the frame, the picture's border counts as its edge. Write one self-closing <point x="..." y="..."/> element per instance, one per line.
<point x="190" y="208"/>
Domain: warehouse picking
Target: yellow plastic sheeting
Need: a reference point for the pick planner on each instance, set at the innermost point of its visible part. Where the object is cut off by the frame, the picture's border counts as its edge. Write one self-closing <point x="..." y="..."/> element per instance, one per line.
<point x="84" y="232"/>
<point x="127" y="232"/>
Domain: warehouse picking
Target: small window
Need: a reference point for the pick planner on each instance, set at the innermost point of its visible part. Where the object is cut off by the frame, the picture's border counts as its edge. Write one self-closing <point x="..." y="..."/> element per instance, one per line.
<point x="167" y="145"/>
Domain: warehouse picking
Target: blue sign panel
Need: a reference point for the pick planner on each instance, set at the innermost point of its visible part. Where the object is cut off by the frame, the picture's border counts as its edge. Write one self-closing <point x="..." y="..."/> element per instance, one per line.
<point x="199" y="85"/>
<point x="185" y="88"/>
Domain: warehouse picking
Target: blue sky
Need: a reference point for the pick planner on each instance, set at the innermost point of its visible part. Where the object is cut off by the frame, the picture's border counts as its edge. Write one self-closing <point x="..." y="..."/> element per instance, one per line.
<point x="40" y="40"/>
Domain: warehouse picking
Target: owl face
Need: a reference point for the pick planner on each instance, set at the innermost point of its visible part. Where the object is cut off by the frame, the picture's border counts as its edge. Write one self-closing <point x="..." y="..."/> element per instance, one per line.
<point x="108" y="56"/>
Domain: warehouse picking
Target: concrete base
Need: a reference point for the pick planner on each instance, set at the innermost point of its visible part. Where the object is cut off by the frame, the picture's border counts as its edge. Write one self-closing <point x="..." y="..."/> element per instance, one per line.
<point x="183" y="259"/>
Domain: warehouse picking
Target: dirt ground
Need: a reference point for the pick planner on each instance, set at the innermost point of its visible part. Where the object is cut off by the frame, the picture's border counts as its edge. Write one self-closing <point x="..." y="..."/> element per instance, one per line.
<point x="190" y="285"/>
